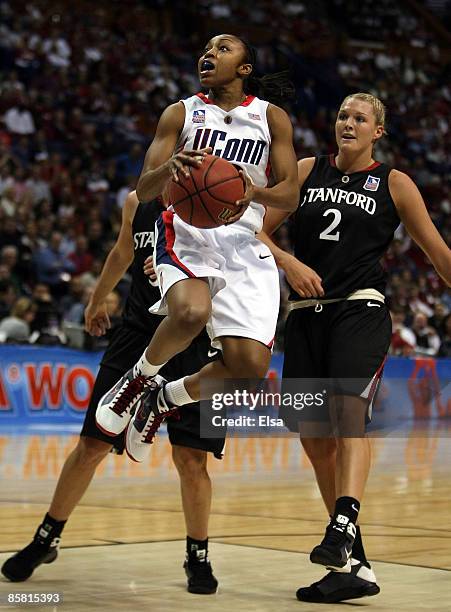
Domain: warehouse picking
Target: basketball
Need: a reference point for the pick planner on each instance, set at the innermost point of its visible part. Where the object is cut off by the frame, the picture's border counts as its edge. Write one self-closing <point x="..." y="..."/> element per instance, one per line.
<point x="206" y="198"/>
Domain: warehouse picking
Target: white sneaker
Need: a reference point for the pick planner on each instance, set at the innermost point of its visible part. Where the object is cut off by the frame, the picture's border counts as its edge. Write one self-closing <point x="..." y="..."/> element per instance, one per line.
<point x="148" y="418"/>
<point x="115" y="408"/>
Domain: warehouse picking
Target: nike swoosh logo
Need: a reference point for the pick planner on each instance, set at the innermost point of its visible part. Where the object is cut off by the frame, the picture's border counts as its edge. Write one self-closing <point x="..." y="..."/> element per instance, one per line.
<point x="212" y="353"/>
<point x="263" y="256"/>
<point x="354" y="508"/>
<point x="372" y="304"/>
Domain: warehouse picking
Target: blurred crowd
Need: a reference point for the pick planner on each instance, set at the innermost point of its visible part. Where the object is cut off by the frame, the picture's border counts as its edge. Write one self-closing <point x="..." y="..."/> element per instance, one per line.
<point x="80" y="96"/>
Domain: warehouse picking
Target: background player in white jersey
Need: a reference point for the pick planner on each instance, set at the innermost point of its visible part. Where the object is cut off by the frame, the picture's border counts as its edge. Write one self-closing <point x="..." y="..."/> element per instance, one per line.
<point x="222" y="277"/>
<point x="339" y="326"/>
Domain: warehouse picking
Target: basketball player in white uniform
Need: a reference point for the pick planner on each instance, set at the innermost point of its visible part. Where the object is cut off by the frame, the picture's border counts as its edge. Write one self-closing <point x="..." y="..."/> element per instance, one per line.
<point x="224" y="277"/>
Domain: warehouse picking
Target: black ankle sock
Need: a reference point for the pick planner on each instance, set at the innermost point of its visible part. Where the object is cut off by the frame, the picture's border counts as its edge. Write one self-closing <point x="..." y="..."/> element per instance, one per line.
<point x="196" y="550"/>
<point x="358" y="551"/>
<point x="48" y="530"/>
<point x="347" y="506"/>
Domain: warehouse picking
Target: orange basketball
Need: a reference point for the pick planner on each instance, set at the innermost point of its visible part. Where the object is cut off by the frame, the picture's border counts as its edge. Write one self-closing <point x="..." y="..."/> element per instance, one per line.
<point x="206" y="198"/>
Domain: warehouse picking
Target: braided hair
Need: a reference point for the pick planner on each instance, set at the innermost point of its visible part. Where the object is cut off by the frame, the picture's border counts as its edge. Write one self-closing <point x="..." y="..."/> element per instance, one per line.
<point x="276" y="88"/>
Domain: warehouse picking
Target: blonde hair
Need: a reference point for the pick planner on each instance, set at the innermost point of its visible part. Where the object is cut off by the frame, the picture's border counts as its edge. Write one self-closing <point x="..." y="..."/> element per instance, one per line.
<point x="379" y="108"/>
<point x="22" y="306"/>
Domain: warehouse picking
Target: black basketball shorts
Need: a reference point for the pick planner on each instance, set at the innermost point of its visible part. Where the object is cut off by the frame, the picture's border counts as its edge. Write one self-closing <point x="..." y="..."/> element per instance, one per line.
<point x="344" y="343"/>
<point x="126" y="347"/>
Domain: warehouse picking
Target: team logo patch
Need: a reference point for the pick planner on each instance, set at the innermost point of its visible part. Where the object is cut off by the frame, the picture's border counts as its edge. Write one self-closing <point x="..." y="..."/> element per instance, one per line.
<point x="372" y="183"/>
<point x="254" y="116"/>
<point x="199" y="116"/>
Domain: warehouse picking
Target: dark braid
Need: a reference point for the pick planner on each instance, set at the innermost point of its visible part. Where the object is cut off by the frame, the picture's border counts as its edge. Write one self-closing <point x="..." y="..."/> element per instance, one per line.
<point x="276" y="88"/>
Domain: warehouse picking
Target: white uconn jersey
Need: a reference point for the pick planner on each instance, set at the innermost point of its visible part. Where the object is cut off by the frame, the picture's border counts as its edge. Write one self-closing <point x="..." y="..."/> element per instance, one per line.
<point x="241" y="136"/>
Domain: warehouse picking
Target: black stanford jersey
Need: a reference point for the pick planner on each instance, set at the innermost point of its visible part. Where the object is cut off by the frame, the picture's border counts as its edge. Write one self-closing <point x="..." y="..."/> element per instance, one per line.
<point x="142" y="294"/>
<point x="344" y="224"/>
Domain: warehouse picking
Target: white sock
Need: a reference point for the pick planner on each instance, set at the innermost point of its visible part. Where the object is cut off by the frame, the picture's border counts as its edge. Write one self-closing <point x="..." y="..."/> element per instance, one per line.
<point x="175" y="393"/>
<point x="146" y="368"/>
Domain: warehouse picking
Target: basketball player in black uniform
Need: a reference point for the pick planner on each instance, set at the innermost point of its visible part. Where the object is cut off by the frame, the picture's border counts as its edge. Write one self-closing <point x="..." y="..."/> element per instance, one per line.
<point x="339" y="326"/>
<point x="134" y="244"/>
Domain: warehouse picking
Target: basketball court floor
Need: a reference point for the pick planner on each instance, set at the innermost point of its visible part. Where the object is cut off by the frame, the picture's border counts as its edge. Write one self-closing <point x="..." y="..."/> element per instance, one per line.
<point x="123" y="548"/>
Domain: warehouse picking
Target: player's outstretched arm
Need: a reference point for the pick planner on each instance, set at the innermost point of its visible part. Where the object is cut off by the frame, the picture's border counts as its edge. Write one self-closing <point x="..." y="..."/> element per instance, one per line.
<point x="413" y="213"/>
<point x="303" y="279"/>
<point x="119" y="259"/>
<point x="160" y="163"/>
<point x="284" y="195"/>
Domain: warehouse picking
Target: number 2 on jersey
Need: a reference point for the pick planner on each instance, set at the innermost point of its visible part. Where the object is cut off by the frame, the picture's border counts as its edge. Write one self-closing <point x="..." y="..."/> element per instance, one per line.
<point x="327" y="233"/>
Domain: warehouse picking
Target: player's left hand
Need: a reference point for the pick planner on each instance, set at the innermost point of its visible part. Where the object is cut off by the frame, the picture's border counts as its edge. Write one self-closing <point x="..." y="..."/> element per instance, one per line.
<point x="245" y="200"/>
<point x="149" y="270"/>
<point x="303" y="279"/>
<point x="97" y="320"/>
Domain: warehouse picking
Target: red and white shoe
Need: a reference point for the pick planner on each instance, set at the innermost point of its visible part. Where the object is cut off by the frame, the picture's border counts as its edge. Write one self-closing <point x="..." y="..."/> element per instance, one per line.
<point x="116" y="407"/>
<point x="143" y="427"/>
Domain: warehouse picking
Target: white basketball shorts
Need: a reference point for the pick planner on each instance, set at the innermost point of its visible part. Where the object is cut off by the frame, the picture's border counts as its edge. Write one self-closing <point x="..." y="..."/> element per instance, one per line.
<point x="240" y="270"/>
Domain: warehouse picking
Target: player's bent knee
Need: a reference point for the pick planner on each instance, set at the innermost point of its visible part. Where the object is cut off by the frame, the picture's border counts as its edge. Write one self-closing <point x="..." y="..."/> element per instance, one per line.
<point x="191" y="317"/>
<point x="245" y="358"/>
<point x="190" y="463"/>
<point x="91" y="451"/>
<point x="248" y="367"/>
<point x="319" y="449"/>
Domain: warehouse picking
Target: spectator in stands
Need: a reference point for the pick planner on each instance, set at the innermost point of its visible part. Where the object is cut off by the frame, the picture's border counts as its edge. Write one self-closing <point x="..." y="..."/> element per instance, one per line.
<point x="81" y="258"/>
<point x="416" y="304"/>
<point x="403" y="340"/>
<point x="74" y="295"/>
<point x="7" y="294"/>
<point x="76" y="311"/>
<point x="7" y="202"/>
<point x="37" y="187"/>
<point x="437" y="321"/>
<point x="46" y="324"/>
<point x="9" y="257"/>
<point x="427" y="340"/>
<point x="114" y="307"/>
<point x="18" y="119"/>
<point x="16" y="327"/>
<point x="52" y="266"/>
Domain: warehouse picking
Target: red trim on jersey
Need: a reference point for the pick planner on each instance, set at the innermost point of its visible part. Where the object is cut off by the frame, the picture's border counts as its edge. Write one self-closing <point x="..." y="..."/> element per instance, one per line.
<point x="169" y="233"/>
<point x="268" y="169"/>
<point x="248" y="99"/>
<point x="204" y="98"/>
<point x="271" y="344"/>
<point x="375" y="165"/>
<point x="332" y="163"/>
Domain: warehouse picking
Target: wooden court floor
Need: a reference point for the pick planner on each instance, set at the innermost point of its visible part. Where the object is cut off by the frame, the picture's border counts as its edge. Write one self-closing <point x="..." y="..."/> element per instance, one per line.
<point x="123" y="547"/>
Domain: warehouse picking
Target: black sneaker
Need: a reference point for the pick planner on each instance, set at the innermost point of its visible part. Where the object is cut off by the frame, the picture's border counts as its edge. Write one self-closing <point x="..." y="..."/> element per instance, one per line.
<point x="20" y="566"/>
<point x="200" y="577"/>
<point x="335" y="550"/>
<point x="336" y="587"/>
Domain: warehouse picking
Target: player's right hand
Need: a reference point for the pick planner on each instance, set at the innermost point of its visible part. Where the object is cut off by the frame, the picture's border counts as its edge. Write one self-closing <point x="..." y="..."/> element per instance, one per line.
<point x="302" y="279"/>
<point x="149" y="271"/>
<point x="181" y="161"/>
<point x="97" y="320"/>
